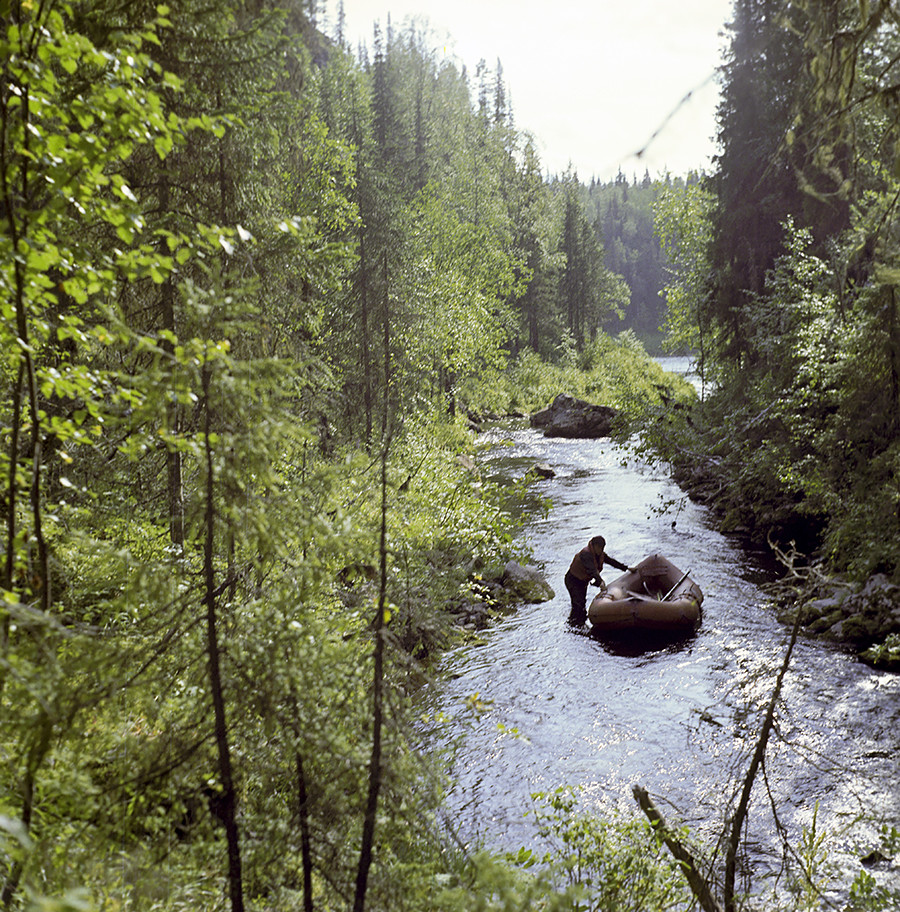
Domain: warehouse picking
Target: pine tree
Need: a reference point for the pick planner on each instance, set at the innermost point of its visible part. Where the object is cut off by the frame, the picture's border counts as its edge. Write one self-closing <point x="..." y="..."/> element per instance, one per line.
<point x="755" y="185"/>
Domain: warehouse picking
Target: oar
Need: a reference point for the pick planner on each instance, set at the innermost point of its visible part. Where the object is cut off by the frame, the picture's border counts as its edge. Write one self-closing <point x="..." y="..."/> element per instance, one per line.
<point x="629" y="594"/>
<point x="683" y="578"/>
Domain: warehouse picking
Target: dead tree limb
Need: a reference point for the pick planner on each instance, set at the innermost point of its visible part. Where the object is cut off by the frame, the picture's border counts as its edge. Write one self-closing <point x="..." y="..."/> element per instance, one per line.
<point x="740" y="815"/>
<point x="378" y="677"/>
<point x="699" y="885"/>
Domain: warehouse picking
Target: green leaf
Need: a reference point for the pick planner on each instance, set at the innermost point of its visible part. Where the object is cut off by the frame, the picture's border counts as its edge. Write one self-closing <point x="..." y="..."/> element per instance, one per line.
<point x="163" y="145"/>
<point x="56" y="144"/>
<point x="13" y="825"/>
<point x="887" y="275"/>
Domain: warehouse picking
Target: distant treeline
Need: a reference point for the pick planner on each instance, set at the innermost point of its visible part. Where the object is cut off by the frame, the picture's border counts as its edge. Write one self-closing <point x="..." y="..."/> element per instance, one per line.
<point x="623" y="213"/>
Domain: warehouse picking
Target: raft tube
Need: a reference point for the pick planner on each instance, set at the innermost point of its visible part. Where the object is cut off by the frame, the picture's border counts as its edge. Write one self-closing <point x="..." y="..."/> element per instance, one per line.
<point x="656" y="595"/>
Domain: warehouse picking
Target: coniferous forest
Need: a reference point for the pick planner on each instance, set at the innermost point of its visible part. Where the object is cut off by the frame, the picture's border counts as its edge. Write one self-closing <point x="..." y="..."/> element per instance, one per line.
<point x="256" y="285"/>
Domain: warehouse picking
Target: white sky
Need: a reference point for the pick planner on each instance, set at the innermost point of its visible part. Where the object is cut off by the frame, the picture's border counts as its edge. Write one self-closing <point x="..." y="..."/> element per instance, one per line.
<point x="592" y="81"/>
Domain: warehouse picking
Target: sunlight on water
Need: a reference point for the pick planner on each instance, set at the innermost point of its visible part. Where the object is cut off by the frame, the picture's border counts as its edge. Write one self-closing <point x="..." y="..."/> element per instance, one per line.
<point x="680" y="719"/>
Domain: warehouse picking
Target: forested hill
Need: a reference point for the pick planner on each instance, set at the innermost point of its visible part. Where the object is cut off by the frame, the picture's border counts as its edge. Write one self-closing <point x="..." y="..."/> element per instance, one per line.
<point x="623" y="213"/>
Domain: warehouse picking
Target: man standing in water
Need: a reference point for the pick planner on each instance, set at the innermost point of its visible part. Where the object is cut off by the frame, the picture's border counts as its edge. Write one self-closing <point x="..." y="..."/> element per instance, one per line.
<point x="586" y="567"/>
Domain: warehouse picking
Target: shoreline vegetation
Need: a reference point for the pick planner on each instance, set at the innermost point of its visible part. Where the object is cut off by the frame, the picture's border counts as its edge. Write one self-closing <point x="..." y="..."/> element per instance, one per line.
<point x="859" y="612"/>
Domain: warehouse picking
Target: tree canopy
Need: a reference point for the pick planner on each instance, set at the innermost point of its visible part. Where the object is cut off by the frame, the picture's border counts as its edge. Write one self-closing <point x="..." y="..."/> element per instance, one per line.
<point x="251" y="284"/>
<point x="785" y="262"/>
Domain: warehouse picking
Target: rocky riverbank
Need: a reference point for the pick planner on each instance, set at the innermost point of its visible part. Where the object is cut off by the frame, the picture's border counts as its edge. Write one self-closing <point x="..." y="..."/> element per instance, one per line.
<point x="861" y="616"/>
<point x="500" y="592"/>
<point x="483" y="595"/>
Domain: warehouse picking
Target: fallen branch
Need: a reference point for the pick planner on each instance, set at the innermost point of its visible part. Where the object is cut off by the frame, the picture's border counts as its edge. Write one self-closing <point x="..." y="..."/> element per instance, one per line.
<point x="697" y="882"/>
<point x="740" y="815"/>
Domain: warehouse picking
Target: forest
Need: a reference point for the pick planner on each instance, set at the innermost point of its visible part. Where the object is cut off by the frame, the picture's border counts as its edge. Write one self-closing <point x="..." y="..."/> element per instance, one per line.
<point x="256" y="286"/>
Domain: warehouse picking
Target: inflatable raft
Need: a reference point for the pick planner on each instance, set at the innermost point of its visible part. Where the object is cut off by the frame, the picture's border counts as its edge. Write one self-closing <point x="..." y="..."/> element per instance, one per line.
<point x="656" y="595"/>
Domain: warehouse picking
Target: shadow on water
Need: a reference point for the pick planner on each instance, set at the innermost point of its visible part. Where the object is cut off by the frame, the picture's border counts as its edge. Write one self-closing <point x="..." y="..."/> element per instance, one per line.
<point x="631" y="645"/>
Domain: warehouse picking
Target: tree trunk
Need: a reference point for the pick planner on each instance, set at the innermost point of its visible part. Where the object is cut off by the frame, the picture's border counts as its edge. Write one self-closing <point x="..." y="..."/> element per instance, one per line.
<point x="227" y="807"/>
<point x="9" y="567"/>
<point x="305" y="838"/>
<point x="174" y="471"/>
<point x="894" y="347"/>
<point x="368" y="834"/>
<point x="375" y="769"/>
<point x="35" y="759"/>
<point x="364" y="334"/>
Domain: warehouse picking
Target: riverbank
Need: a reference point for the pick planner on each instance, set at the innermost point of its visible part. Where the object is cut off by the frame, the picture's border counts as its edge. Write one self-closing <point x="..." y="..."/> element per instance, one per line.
<point x="861" y="616"/>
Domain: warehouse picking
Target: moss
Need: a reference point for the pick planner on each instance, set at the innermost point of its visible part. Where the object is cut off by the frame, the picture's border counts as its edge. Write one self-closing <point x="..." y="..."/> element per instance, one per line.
<point x="826" y="621"/>
<point x="860" y="630"/>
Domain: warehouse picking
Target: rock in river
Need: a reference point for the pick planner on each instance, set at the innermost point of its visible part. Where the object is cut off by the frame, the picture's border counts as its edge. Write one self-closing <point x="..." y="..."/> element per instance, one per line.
<point x="525" y="584"/>
<point x="571" y="417"/>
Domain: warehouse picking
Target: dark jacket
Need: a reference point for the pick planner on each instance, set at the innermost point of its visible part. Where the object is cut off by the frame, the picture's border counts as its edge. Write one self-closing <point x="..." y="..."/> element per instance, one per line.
<point x="587" y="566"/>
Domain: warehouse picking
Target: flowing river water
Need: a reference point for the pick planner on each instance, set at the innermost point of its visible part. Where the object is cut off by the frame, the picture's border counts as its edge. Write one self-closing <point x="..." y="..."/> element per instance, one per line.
<point x="680" y="719"/>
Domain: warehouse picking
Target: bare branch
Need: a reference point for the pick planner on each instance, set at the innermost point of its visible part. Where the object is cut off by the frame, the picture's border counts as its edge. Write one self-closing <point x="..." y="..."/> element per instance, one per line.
<point x="698" y="883"/>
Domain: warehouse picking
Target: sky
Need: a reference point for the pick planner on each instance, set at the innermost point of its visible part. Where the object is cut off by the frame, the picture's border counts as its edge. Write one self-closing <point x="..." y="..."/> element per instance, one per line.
<point x="591" y="80"/>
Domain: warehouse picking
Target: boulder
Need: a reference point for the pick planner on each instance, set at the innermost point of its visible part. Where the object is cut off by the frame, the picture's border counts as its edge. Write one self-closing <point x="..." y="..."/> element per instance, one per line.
<point x="468" y="463"/>
<point x="877" y="585"/>
<point x="571" y="417"/>
<point x="525" y="584"/>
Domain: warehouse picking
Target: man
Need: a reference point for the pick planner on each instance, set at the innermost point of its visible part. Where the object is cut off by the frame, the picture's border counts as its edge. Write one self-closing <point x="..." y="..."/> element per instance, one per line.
<point x="585" y="568"/>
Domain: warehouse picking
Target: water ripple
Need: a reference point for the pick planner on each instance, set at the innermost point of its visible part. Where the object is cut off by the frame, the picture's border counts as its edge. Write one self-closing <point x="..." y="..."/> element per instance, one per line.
<point x="681" y="719"/>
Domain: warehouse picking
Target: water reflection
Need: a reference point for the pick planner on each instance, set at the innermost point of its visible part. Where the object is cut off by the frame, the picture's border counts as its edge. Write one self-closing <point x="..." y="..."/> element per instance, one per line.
<point x="645" y="643"/>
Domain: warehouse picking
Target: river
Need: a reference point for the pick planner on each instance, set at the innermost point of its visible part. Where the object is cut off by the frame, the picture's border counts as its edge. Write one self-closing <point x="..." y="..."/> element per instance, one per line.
<point x="564" y="708"/>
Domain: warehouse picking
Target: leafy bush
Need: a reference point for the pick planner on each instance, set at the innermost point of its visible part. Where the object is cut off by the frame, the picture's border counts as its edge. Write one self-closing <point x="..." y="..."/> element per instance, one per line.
<point x="615" y="864"/>
<point x="616" y="372"/>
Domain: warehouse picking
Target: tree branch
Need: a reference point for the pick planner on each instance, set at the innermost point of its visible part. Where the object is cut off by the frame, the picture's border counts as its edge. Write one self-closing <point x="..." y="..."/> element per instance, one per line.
<point x="740" y="814"/>
<point x="699" y="885"/>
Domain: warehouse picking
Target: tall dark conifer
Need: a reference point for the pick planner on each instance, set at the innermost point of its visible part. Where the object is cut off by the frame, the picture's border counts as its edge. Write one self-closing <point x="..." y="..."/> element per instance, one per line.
<point x="586" y="286"/>
<point x="531" y="216"/>
<point x="574" y="276"/>
<point x="755" y="184"/>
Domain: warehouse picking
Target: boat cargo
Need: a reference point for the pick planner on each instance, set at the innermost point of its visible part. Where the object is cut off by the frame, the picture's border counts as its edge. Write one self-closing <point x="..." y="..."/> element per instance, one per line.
<point x="655" y="595"/>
